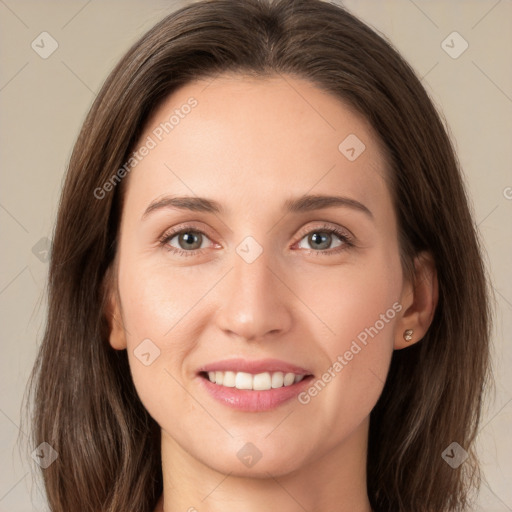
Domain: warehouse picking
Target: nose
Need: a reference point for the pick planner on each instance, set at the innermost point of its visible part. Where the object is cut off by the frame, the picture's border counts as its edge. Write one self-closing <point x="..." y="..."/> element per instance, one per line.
<point x="254" y="301"/>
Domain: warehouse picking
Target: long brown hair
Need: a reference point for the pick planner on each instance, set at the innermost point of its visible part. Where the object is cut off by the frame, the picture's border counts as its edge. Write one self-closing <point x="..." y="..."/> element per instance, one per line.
<point x="84" y="402"/>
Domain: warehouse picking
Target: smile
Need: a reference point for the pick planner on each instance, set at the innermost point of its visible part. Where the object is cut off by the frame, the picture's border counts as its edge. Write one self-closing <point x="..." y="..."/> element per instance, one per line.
<point x="259" y="382"/>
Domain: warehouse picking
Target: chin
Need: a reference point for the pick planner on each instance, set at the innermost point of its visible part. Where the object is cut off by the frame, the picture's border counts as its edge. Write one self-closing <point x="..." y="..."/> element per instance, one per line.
<point x="255" y="460"/>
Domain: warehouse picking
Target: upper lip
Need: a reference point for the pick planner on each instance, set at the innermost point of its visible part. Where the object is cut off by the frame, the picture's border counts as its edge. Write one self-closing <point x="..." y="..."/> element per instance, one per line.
<point x="254" y="367"/>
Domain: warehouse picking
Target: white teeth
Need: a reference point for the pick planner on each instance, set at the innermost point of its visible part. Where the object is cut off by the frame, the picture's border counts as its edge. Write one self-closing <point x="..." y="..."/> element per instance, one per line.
<point x="288" y="379"/>
<point x="228" y="379"/>
<point x="259" y="382"/>
<point x="243" y="380"/>
<point x="277" y="380"/>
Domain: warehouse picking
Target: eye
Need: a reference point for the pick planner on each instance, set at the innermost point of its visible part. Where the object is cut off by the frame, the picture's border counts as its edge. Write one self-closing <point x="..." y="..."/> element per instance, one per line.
<point x="185" y="242"/>
<point x="321" y="239"/>
<point x="324" y="240"/>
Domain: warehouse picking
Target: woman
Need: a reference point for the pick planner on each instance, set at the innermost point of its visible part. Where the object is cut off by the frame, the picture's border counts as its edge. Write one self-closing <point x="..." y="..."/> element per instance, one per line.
<point x="266" y="290"/>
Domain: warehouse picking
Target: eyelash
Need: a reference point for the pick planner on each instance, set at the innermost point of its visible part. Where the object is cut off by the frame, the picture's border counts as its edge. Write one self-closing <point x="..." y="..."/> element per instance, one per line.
<point x="342" y="235"/>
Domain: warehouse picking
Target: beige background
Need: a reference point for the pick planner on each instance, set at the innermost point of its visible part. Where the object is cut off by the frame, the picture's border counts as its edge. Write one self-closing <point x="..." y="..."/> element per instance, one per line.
<point x="43" y="102"/>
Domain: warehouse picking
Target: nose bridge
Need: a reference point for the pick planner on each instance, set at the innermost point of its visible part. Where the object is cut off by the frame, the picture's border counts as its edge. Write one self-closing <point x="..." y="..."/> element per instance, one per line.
<point x="251" y="275"/>
<point x="253" y="304"/>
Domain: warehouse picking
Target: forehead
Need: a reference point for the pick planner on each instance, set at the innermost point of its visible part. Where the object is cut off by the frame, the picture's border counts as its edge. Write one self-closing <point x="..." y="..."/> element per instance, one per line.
<point x="244" y="139"/>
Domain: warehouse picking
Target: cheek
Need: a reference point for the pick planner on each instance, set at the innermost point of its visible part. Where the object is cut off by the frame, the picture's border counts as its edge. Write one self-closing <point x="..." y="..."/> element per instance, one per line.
<point x="158" y="305"/>
<point x="359" y="308"/>
<point x="353" y="301"/>
<point x="157" y="298"/>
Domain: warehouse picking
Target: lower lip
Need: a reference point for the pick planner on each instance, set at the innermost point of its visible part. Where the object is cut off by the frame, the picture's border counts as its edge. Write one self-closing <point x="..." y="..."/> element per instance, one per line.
<point x="254" y="401"/>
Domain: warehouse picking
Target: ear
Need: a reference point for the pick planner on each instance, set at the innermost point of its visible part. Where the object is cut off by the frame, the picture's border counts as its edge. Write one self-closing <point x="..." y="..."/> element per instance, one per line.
<point x="116" y="331"/>
<point x="419" y="301"/>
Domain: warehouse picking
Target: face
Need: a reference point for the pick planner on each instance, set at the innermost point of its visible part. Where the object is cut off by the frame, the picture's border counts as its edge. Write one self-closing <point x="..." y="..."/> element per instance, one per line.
<point x="253" y="278"/>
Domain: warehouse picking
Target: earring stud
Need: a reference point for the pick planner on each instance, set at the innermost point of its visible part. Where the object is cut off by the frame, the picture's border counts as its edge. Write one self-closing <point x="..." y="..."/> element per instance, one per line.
<point x="408" y="334"/>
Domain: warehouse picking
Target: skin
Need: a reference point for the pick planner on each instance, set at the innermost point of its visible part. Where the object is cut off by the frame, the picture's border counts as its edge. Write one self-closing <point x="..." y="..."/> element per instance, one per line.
<point x="251" y="144"/>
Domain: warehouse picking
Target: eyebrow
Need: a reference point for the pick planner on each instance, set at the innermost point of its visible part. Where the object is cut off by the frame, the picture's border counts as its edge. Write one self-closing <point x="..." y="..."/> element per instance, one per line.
<point x="318" y="202"/>
<point x="301" y="204"/>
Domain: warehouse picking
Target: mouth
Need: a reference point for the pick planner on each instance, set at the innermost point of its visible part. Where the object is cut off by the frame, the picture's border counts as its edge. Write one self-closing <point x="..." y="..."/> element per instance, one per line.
<point x="256" y="375"/>
<point x="253" y="386"/>
<point x="264" y="381"/>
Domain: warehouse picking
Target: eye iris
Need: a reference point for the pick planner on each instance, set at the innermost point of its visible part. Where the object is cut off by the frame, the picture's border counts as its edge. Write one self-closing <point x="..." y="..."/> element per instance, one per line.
<point x="192" y="241"/>
<point x="321" y="238"/>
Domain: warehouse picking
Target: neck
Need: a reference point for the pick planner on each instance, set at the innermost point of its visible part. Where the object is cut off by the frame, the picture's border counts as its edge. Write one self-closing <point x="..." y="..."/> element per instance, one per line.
<point x="335" y="480"/>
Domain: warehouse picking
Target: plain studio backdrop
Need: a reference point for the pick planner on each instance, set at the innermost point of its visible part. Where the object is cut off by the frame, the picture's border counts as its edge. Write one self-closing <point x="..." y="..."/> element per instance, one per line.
<point x="461" y="49"/>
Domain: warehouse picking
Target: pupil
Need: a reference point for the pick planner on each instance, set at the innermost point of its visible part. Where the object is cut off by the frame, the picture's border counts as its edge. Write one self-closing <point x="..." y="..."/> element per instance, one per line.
<point x="190" y="239"/>
<point x="320" y="239"/>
